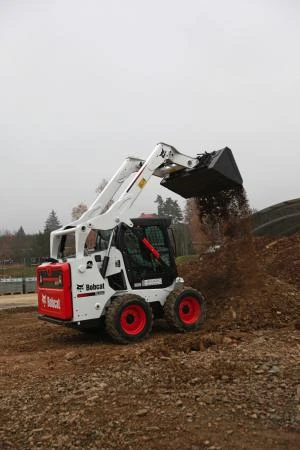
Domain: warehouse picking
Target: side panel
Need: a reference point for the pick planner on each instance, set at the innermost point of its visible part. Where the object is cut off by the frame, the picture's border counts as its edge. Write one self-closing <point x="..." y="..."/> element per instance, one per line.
<point x="90" y="292"/>
<point x="154" y="295"/>
<point x="54" y="291"/>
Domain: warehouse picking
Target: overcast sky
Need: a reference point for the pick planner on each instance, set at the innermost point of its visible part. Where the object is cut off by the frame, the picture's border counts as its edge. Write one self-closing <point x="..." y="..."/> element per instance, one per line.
<point x="83" y="84"/>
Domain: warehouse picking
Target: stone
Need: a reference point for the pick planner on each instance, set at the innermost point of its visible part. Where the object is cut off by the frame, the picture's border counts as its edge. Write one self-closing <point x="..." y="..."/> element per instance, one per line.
<point x="142" y="412"/>
<point x="274" y="369"/>
<point x="152" y="428"/>
<point x="70" y="356"/>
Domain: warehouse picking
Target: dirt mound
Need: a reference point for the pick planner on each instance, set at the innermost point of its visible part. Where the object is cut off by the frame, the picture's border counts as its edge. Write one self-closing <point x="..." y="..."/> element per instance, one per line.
<point x="281" y="257"/>
<point x="249" y="282"/>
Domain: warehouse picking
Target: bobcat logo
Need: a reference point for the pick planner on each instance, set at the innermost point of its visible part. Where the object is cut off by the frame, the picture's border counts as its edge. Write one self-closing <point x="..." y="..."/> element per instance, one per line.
<point x="80" y="287"/>
<point x="50" y="302"/>
<point x="44" y="299"/>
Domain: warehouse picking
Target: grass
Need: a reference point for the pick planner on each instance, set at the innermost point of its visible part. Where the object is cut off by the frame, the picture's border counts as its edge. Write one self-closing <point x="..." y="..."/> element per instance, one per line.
<point x="21" y="270"/>
<point x="186" y="258"/>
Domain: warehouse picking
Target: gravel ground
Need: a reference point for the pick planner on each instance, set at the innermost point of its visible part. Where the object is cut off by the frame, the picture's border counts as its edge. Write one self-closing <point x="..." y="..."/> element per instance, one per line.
<point x="210" y="390"/>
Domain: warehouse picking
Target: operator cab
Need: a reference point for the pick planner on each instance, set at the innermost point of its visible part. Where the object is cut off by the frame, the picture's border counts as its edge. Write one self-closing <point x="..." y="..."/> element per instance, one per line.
<point x="147" y="249"/>
<point x="148" y="253"/>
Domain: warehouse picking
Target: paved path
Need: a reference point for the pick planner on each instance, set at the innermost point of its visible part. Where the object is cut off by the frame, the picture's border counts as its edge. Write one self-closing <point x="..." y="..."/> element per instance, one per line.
<point x="20" y="300"/>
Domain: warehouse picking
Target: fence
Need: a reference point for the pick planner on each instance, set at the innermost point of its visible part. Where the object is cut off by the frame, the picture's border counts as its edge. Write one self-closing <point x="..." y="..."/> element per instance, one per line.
<point x="183" y="239"/>
<point x="17" y="286"/>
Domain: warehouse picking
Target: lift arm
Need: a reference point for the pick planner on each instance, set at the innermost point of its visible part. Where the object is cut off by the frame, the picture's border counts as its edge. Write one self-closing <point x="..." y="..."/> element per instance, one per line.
<point x="187" y="176"/>
<point x="163" y="160"/>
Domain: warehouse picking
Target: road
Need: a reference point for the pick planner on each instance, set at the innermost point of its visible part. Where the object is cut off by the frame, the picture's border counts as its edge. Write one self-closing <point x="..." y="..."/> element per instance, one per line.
<point x="17" y="301"/>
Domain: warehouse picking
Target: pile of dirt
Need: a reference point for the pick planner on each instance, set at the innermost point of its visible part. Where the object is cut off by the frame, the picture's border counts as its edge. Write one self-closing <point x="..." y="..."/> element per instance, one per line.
<point x="281" y="257"/>
<point x="249" y="282"/>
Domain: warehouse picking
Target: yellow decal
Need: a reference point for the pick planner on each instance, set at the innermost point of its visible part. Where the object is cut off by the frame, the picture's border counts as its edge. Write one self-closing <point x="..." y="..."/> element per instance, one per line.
<point x="142" y="183"/>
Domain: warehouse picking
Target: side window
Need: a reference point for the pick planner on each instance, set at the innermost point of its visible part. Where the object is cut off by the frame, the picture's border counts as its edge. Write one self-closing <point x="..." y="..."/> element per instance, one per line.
<point x="142" y="261"/>
<point x="68" y="246"/>
<point x="103" y="239"/>
<point x="156" y="237"/>
<point x="139" y="256"/>
<point x="90" y="243"/>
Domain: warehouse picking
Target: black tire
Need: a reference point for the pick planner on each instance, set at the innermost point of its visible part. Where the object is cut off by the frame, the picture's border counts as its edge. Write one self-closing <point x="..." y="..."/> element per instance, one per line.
<point x="128" y="319"/>
<point x="185" y="309"/>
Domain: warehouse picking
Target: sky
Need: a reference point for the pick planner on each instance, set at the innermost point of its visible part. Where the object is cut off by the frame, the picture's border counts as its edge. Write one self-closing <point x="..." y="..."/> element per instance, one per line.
<point x="83" y="84"/>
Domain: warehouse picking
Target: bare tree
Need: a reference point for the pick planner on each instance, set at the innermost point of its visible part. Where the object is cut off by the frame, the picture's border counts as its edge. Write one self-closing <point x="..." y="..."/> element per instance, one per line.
<point x="78" y="210"/>
<point x="100" y="188"/>
<point x="101" y="185"/>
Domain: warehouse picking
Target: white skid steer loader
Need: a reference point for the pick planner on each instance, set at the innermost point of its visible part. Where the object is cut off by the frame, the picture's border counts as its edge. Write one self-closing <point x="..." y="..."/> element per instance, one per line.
<point x="107" y="267"/>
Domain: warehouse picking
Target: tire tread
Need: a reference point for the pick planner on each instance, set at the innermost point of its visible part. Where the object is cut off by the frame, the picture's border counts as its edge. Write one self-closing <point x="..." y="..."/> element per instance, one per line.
<point x="170" y="312"/>
<point x="112" y="312"/>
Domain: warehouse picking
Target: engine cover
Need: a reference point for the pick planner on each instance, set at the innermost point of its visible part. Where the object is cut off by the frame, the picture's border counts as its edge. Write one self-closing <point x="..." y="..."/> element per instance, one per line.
<point x="54" y="291"/>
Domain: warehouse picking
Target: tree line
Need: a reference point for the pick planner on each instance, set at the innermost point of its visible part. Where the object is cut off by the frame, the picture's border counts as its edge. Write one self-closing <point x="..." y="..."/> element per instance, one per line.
<point x="22" y="248"/>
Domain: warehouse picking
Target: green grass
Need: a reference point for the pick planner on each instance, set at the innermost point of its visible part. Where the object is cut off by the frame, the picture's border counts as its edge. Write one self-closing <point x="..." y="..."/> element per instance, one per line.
<point x="186" y="258"/>
<point x="20" y="270"/>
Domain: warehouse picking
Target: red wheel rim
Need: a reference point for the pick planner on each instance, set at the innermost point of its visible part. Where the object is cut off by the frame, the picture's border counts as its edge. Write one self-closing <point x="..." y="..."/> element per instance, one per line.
<point x="133" y="319"/>
<point x="189" y="310"/>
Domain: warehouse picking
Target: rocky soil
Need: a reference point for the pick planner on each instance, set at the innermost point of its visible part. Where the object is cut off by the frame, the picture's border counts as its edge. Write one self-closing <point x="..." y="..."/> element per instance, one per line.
<point x="233" y="385"/>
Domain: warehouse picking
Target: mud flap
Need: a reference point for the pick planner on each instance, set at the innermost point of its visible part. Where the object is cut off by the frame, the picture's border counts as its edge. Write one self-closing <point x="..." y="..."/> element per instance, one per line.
<point x="215" y="172"/>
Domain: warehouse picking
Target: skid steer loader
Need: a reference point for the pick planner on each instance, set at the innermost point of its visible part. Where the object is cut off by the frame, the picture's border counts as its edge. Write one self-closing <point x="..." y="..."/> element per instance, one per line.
<point x="108" y="267"/>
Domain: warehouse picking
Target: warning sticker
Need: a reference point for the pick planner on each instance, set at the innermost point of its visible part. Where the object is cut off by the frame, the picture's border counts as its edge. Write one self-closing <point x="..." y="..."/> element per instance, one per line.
<point x="153" y="282"/>
<point x="142" y="183"/>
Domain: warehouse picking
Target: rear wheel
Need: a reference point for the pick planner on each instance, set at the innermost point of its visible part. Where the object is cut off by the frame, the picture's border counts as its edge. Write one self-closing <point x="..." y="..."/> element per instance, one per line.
<point x="185" y="309"/>
<point x="129" y="319"/>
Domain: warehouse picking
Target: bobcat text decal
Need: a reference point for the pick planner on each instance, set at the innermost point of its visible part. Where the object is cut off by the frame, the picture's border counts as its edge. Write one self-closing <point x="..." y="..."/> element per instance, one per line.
<point x="94" y="287"/>
<point x="90" y="287"/>
<point x="50" y="301"/>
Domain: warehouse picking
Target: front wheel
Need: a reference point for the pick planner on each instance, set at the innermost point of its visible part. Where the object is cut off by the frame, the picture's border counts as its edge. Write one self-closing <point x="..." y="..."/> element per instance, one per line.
<point x="185" y="309"/>
<point x="128" y="319"/>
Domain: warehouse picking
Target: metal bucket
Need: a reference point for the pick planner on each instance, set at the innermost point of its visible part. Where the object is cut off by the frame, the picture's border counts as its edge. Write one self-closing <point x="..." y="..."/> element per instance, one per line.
<point x="215" y="172"/>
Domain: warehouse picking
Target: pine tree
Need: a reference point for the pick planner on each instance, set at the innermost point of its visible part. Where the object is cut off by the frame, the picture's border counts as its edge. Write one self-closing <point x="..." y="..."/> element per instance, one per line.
<point x="160" y="205"/>
<point x="20" y="233"/>
<point x="52" y="222"/>
<point x="169" y="208"/>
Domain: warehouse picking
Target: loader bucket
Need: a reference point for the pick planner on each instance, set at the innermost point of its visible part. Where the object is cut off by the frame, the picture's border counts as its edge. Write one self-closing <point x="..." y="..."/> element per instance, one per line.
<point x="216" y="171"/>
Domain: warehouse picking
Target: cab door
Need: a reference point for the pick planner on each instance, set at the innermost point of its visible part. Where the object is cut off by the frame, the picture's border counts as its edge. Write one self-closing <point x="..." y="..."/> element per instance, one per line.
<point x="148" y="256"/>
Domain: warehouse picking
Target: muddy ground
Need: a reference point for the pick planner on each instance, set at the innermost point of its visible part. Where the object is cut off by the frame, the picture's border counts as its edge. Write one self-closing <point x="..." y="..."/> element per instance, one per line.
<point x="233" y="385"/>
